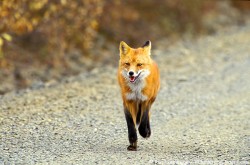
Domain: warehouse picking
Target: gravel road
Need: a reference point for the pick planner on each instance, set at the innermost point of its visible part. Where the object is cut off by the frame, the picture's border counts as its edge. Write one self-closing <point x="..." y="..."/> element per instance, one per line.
<point x="201" y="115"/>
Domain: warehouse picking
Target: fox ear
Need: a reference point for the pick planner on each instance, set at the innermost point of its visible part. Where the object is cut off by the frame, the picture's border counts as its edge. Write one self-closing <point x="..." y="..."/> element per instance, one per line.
<point x="147" y="47"/>
<point x="124" y="48"/>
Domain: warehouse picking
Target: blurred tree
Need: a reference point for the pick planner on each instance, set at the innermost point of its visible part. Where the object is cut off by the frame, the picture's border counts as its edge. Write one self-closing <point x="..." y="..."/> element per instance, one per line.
<point x="50" y="28"/>
<point x="49" y="25"/>
<point x="46" y="32"/>
<point x="137" y="21"/>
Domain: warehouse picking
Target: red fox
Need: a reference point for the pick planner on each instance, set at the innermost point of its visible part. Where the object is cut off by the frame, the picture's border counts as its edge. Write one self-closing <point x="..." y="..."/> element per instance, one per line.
<point x="139" y="79"/>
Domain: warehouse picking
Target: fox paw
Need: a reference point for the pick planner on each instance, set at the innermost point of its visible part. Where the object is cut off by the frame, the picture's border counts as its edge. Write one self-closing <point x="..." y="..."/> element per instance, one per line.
<point x="132" y="148"/>
<point x="144" y="132"/>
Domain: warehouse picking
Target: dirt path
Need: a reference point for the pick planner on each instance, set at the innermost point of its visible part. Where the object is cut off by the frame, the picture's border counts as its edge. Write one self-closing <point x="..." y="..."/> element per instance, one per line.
<point x="202" y="114"/>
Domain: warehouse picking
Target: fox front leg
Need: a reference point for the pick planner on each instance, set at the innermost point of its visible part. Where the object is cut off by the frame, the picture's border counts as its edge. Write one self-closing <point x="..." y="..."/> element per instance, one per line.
<point x="144" y="127"/>
<point x="132" y="135"/>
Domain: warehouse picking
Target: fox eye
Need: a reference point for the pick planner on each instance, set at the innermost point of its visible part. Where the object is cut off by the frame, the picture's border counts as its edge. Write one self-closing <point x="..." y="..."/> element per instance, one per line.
<point x="127" y="64"/>
<point x="139" y="64"/>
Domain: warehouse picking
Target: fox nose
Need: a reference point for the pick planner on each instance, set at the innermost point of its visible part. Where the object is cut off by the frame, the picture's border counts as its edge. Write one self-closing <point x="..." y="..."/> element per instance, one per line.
<point x="131" y="73"/>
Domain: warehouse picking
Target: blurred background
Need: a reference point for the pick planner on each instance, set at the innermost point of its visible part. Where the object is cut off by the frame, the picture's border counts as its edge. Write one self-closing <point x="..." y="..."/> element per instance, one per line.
<point x="46" y="40"/>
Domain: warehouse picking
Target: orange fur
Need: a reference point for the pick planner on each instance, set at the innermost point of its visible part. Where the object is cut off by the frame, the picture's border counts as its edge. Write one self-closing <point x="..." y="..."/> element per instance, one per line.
<point x="135" y="57"/>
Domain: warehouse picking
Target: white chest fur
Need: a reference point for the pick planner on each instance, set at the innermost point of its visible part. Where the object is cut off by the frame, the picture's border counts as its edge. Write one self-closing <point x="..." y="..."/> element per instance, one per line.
<point x="136" y="91"/>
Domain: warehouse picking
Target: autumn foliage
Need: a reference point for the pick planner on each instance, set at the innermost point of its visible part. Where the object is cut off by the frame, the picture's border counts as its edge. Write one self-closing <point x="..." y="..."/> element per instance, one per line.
<point x="49" y="26"/>
<point x="49" y="29"/>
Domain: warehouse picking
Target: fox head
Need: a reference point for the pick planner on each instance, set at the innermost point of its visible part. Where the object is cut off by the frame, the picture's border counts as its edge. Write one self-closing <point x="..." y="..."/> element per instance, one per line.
<point x="135" y="63"/>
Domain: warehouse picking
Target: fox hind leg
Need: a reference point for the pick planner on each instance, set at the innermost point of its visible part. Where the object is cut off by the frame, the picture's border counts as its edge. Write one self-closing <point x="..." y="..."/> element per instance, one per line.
<point x="138" y="115"/>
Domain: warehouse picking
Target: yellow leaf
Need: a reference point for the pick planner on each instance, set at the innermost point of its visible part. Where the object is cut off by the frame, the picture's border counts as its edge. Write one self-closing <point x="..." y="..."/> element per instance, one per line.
<point x="29" y="26"/>
<point x="37" y="5"/>
<point x="17" y="15"/>
<point x="7" y="36"/>
<point x="63" y="2"/>
<point x="1" y="42"/>
<point x="94" y="24"/>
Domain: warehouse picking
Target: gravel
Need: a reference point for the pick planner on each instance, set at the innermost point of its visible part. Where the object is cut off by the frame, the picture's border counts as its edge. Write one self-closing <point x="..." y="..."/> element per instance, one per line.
<point x="201" y="115"/>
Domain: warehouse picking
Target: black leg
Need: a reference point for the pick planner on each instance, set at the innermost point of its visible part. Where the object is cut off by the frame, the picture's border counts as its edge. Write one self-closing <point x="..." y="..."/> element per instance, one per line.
<point x="144" y="128"/>
<point x="138" y="116"/>
<point x="132" y="136"/>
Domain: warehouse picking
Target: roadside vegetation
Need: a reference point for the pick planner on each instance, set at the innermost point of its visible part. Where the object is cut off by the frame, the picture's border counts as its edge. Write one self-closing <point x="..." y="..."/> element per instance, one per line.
<point x="68" y="37"/>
